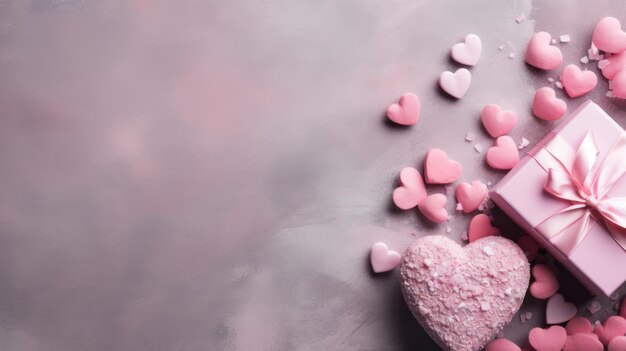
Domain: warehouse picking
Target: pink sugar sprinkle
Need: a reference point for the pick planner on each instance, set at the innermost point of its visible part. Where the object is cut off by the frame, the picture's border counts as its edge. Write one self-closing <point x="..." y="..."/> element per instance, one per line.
<point x="594" y="307"/>
<point x="520" y="18"/>
<point x="464" y="236"/>
<point x="603" y="63"/>
<point x="584" y="59"/>
<point x="529" y="315"/>
<point x="522" y="317"/>
<point x="459" y="207"/>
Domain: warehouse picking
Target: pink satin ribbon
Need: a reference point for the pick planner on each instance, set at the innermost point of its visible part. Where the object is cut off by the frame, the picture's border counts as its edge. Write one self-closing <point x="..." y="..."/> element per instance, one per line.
<point x="571" y="177"/>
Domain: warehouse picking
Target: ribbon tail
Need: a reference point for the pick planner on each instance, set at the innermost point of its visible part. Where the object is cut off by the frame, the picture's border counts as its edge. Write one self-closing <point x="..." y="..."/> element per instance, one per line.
<point x="567" y="229"/>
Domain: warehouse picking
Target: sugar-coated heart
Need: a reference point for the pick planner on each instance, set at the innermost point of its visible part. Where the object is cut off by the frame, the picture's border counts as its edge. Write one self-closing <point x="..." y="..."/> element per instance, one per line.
<point x="616" y="63"/>
<point x="496" y="121"/>
<point x="618" y="344"/>
<point x="618" y="84"/>
<point x="579" y="325"/>
<point x="444" y="287"/>
<point x="612" y="327"/>
<point x="541" y="54"/>
<point x="502" y="345"/>
<point x="480" y="227"/>
<point x="529" y="246"/>
<point x="608" y="35"/>
<point x="383" y="259"/>
<point x="547" y="106"/>
<point x="558" y="310"/>
<point x="577" y="82"/>
<point x="504" y="155"/>
<point x="433" y="208"/>
<point x="545" y="284"/>
<point x="411" y="190"/>
<point x="468" y="52"/>
<point x="550" y="339"/>
<point x="439" y="169"/>
<point x="406" y="111"/>
<point x="470" y="196"/>
<point x="622" y="309"/>
<point x="456" y="84"/>
<point x="582" y="342"/>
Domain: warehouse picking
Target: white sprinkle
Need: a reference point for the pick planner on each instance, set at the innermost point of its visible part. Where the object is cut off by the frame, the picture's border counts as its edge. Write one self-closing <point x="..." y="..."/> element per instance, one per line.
<point x="584" y="59"/>
<point x="565" y="38"/>
<point x="428" y="262"/>
<point x="594" y="307"/>
<point x="523" y="143"/>
<point x="478" y="148"/>
<point x="448" y="230"/>
<point x="593" y="50"/>
<point x="459" y="207"/>
<point x="501" y="47"/>
<point x="520" y="18"/>
<point x="489" y="183"/>
<point x="610" y="94"/>
<point x="553" y="41"/>
<point x="508" y="291"/>
<point x="512" y="55"/>
<point x="559" y="85"/>
<point x="488" y="250"/>
<point x="529" y="315"/>
<point x="597" y="323"/>
<point x="550" y="79"/>
<point x="485" y="306"/>
<point x="603" y="63"/>
<point x="470" y="136"/>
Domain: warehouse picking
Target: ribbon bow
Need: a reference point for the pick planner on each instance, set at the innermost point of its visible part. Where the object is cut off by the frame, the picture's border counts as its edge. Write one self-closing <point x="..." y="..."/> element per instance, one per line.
<point x="587" y="191"/>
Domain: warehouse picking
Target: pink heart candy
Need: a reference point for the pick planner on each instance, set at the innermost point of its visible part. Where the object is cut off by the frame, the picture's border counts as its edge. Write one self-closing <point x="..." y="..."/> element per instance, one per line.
<point x="406" y="111"/>
<point x="618" y="344"/>
<point x="442" y="284"/>
<point x="504" y="155"/>
<point x="547" y="106"/>
<point x="577" y="82"/>
<point x="616" y="63"/>
<point x="618" y="84"/>
<point x="502" y="345"/>
<point x="582" y="342"/>
<point x="608" y="35"/>
<point x="550" y="339"/>
<point x="480" y="227"/>
<point x="529" y="246"/>
<point x="383" y="259"/>
<point x="433" y="208"/>
<point x="411" y="190"/>
<point x="439" y="169"/>
<point x="578" y="325"/>
<point x="541" y="54"/>
<point x="496" y="121"/>
<point x="467" y="52"/>
<point x="456" y="84"/>
<point x="545" y="284"/>
<point x="470" y="196"/>
<point x="558" y="310"/>
<point x="612" y="327"/>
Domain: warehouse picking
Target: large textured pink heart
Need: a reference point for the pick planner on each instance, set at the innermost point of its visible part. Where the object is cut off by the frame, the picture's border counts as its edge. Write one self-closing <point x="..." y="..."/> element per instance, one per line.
<point x="608" y="35"/>
<point x="545" y="284"/>
<point x="457" y="83"/>
<point x="504" y="155"/>
<point x="496" y="121"/>
<point x="470" y="196"/>
<point x="467" y="52"/>
<point x="439" y="169"/>
<point x="550" y="339"/>
<point x="480" y="227"/>
<point x="612" y="327"/>
<point x="406" y="111"/>
<point x="616" y="63"/>
<point x="547" y="106"/>
<point x="577" y="82"/>
<point x="541" y="54"/>
<point x="411" y="190"/>
<point x="433" y="208"/>
<point x="463" y="296"/>
<point x="558" y="310"/>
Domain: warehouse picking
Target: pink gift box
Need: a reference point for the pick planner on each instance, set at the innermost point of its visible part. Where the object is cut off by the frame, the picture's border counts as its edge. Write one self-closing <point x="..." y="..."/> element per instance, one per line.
<point x="598" y="261"/>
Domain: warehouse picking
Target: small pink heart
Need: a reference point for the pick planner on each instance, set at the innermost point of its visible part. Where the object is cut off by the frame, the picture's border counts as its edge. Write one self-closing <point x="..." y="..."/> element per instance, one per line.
<point x="496" y="121"/>
<point x="582" y="342"/>
<point x="480" y="227"/>
<point x="547" y="106"/>
<point x="529" y="246"/>
<point x="545" y="284"/>
<point x="383" y="259"/>
<point x="608" y="35"/>
<point x="558" y="311"/>
<point x="439" y="169"/>
<point x="612" y="327"/>
<point x="579" y="325"/>
<point x="504" y="155"/>
<point x="432" y="207"/>
<point x="550" y="339"/>
<point x="456" y="84"/>
<point x="468" y="52"/>
<point x="411" y="190"/>
<point x="502" y="345"/>
<point x="470" y="196"/>
<point x="618" y="344"/>
<point x="406" y="111"/>
<point x="577" y="82"/>
<point x="441" y="280"/>
<point x="618" y="84"/>
<point x="616" y="63"/>
<point x="541" y="54"/>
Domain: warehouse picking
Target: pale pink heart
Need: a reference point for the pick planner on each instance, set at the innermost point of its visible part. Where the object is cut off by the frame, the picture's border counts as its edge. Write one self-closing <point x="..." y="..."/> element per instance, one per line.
<point x="550" y="339"/>
<point x="383" y="259"/>
<point x="443" y="285"/>
<point x="496" y="121"/>
<point x="480" y="227"/>
<point x="470" y="196"/>
<point x="616" y="63"/>
<point x="577" y="82"/>
<point x="547" y="106"/>
<point x="439" y="169"/>
<point x="545" y="284"/>
<point x="456" y="84"/>
<point x="558" y="310"/>
<point x="618" y="84"/>
<point x="433" y="208"/>
<point x="502" y="345"/>
<point x="529" y="246"/>
<point x="579" y="325"/>
<point x="504" y="155"/>
<point x="541" y="54"/>
<point x="612" y="327"/>
<point x="618" y="344"/>
<point x="582" y="342"/>
<point x="608" y="35"/>
<point x="467" y="52"/>
<point x="411" y="190"/>
<point x="406" y="111"/>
